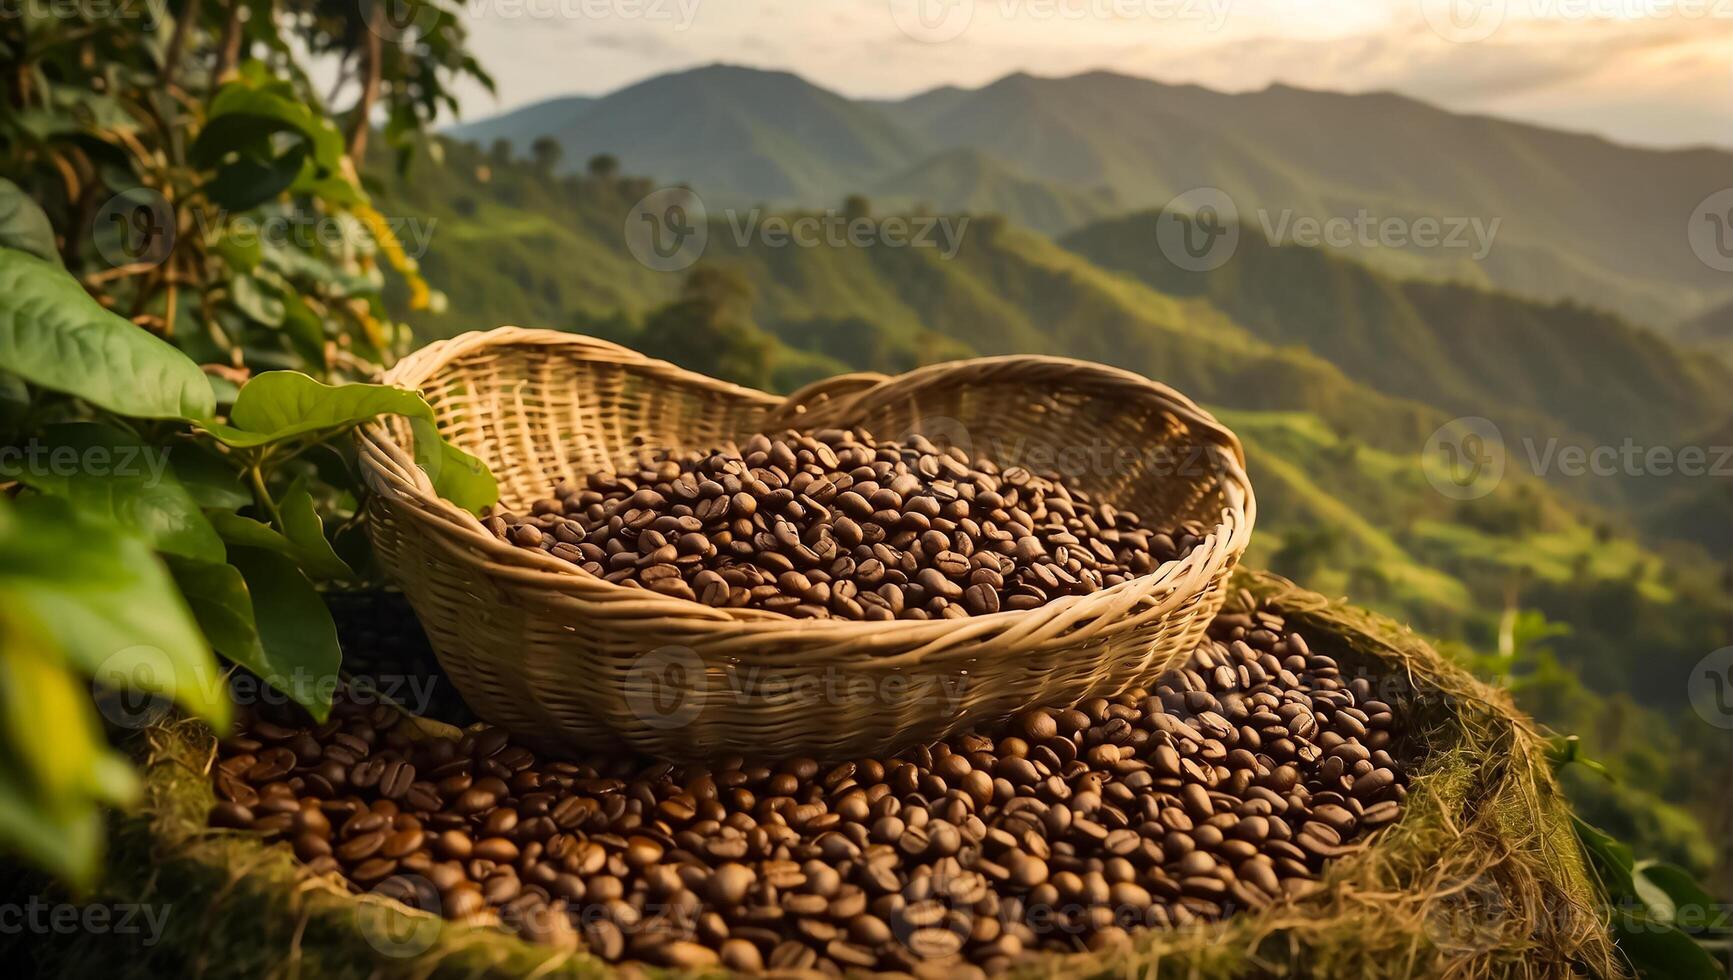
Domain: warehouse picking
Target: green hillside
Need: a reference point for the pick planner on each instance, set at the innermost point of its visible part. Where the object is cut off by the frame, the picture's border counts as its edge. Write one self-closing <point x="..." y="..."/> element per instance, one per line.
<point x="1539" y="370"/>
<point x="970" y="182"/>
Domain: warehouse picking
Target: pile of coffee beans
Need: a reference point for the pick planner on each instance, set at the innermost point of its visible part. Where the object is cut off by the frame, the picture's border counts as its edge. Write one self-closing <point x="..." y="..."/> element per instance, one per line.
<point x="1226" y="787"/>
<point x="834" y="524"/>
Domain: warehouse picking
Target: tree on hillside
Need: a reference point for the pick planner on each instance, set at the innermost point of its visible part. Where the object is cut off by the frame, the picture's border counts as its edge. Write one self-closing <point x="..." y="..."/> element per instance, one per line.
<point x="546" y="152"/>
<point x="499" y="152"/>
<point x="857" y="206"/>
<point x="710" y="329"/>
<point x="604" y="166"/>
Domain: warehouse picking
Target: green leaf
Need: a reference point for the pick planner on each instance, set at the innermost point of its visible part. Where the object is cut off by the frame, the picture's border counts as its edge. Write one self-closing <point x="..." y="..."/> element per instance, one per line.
<point x="304" y="529"/>
<point x="279" y="405"/>
<point x="241" y="133"/>
<point x="1686" y="902"/>
<point x="306" y="543"/>
<point x="38" y="696"/>
<point x="251" y="297"/>
<point x="304" y="328"/>
<point x="1661" y="951"/>
<point x="297" y="635"/>
<point x="265" y="100"/>
<point x="211" y="480"/>
<point x="107" y="603"/>
<point x="217" y="594"/>
<point x="68" y="842"/>
<point x="54" y="335"/>
<point x="110" y="475"/>
<point x="224" y="603"/>
<point x="243" y="253"/>
<point x="24" y="226"/>
<point x="56" y="767"/>
<point x="457" y="476"/>
<point x="248" y="533"/>
<point x="1654" y="898"/>
<point x="246" y="183"/>
<point x="14" y="406"/>
<point x="1611" y="860"/>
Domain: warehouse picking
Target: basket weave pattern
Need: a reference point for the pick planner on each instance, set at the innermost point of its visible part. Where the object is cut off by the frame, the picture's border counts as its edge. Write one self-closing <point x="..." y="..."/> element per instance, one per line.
<point x="561" y="657"/>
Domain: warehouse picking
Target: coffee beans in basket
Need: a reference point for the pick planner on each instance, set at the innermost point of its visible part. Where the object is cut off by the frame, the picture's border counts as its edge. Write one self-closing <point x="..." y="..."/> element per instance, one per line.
<point x="834" y="524"/>
<point x="1227" y="787"/>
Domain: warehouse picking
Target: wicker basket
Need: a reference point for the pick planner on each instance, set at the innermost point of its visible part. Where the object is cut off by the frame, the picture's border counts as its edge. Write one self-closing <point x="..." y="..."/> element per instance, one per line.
<point x="562" y="657"/>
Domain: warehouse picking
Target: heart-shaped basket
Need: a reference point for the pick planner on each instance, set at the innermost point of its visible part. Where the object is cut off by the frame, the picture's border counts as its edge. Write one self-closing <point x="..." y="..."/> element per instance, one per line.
<point x="562" y="657"/>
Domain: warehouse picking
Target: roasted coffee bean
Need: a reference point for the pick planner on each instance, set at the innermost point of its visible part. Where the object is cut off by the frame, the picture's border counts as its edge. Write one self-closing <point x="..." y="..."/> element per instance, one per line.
<point x="1225" y="786"/>
<point x="823" y="519"/>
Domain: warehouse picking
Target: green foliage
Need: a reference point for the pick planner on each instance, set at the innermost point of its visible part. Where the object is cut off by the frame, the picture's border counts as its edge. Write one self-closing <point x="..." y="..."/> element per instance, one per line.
<point x="110" y="477"/>
<point x="1661" y="918"/>
<point x="1665" y="923"/>
<point x="170" y="199"/>
<point x="54" y="335"/>
<point x="1544" y="372"/>
<point x="82" y="570"/>
<point x="23" y="226"/>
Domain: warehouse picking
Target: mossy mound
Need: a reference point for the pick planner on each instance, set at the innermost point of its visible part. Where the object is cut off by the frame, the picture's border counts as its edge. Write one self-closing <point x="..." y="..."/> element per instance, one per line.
<point x="1481" y="877"/>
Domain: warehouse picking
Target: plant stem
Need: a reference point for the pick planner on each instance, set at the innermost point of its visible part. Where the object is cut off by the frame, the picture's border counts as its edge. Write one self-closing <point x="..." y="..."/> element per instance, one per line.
<point x="262" y="496"/>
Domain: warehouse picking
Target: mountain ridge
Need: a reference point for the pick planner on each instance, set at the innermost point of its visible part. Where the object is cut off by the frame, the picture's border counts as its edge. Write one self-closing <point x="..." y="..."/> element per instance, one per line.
<point x="749" y="136"/>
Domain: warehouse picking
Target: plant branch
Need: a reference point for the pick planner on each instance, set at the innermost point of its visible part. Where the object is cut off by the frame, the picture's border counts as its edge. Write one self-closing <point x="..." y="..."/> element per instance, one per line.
<point x="177" y="44"/>
<point x="372" y="68"/>
<point x="229" y="54"/>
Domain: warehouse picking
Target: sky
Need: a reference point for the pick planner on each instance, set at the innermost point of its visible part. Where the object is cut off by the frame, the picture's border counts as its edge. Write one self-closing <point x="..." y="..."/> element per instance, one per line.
<point x="1652" y="72"/>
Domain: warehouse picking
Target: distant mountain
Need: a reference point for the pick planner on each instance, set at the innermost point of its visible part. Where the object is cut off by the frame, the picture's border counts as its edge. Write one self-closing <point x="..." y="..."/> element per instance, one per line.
<point x="971" y="182"/>
<point x="1578" y="217"/>
<point x="738" y="135"/>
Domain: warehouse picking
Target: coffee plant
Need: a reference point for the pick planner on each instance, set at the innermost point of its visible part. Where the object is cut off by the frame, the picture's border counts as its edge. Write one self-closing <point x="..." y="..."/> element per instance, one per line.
<point x="191" y="270"/>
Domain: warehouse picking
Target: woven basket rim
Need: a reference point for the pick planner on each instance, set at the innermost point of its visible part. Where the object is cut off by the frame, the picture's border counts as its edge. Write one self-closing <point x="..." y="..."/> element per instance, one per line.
<point x="389" y="469"/>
